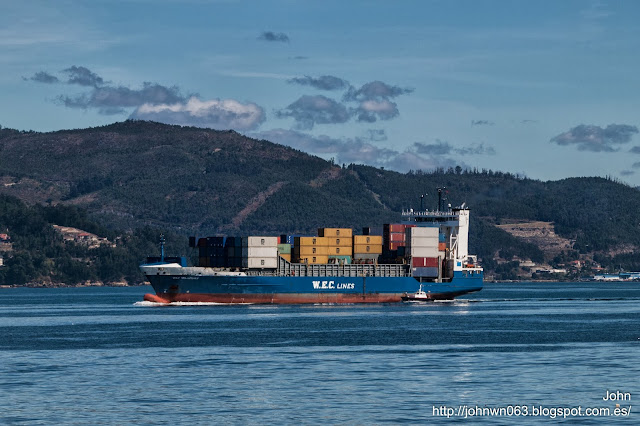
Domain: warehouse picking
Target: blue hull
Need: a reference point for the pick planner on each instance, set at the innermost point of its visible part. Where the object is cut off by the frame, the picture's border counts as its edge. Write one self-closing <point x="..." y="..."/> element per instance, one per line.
<point x="287" y="289"/>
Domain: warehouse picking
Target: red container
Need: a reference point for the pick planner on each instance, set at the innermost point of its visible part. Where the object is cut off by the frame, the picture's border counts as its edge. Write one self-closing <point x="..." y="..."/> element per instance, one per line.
<point x="396" y="237"/>
<point x="393" y="227"/>
<point x="442" y="246"/>
<point x="424" y="262"/>
<point x="394" y="246"/>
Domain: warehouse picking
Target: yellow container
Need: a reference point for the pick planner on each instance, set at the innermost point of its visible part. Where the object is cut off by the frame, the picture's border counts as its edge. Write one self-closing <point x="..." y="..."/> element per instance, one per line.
<point x="367" y="248"/>
<point x="304" y="251"/>
<point x="286" y="256"/>
<point x="367" y="239"/>
<point x="313" y="260"/>
<point x="340" y="251"/>
<point x="335" y="232"/>
<point x="310" y="241"/>
<point x="340" y="241"/>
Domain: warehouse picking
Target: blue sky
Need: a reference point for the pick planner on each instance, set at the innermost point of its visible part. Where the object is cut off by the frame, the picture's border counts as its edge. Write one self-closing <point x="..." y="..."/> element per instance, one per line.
<point x="546" y="89"/>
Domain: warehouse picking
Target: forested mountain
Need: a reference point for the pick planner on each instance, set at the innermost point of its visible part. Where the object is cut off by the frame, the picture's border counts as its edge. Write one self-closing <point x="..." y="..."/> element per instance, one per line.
<point x="132" y="175"/>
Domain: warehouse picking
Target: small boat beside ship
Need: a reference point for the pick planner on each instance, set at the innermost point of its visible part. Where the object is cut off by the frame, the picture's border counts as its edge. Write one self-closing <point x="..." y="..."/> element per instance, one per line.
<point x="423" y="258"/>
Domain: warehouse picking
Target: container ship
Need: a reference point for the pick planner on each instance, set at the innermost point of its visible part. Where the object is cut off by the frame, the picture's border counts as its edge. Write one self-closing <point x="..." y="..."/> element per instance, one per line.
<point x="427" y="253"/>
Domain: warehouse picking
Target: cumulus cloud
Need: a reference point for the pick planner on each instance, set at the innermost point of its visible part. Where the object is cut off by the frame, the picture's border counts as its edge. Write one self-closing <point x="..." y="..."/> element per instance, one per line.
<point x="83" y="76"/>
<point x="324" y="82"/>
<point x="114" y="99"/>
<point x="216" y="113"/>
<point x="156" y="102"/>
<point x="375" y="90"/>
<point x="43" y="77"/>
<point x="371" y="110"/>
<point x="374" y="100"/>
<point x="482" y="123"/>
<point x="597" y="139"/>
<point x="271" y="36"/>
<point x="310" y="110"/>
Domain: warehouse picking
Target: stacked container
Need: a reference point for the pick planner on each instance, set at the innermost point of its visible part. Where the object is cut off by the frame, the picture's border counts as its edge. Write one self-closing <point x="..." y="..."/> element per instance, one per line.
<point x="284" y="251"/>
<point x="339" y="241"/>
<point x="311" y="250"/>
<point x="422" y="245"/>
<point x="367" y="247"/>
<point x="394" y="235"/>
<point x="233" y="246"/>
<point x="259" y="252"/>
<point x="211" y="252"/>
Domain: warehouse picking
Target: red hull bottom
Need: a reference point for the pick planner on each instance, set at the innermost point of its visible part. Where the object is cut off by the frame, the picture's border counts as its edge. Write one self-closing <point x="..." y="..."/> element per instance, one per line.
<point x="289" y="299"/>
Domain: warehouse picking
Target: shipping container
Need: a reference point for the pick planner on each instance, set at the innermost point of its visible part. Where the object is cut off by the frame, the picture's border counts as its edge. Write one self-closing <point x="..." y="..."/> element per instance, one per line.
<point x="284" y="248"/>
<point x="260" y="262"/>
<point x="395" y="246"/>
<point x="423" y="251"/>
<point x="259" y="252"/>
<point x="335" y="232"/>
<point x="340" y="242"/>
<point x="313" y="259"/>
<point x="364" y="248"/>
<point x="425" y="272"/>
<point x="339" y="250"/>
<point x="259" y="241"/>
<point x="310" y="241"/>
<point x="202" y="242"/>
<point x="303" y="251"/>
<point x="422" y="242"/>
<point x="431" y="262"/>
<point x="424" y="231"/>
<point x="395" y="237"/>
<point x="367" y="239"/>
<point x="442" y="246"/>
<point x="442" y="238"/>
<point x="393" y="227"/>
<point x="373" y="230"/>
<point x="286" y="256"/>
<point x="215" y="241"/>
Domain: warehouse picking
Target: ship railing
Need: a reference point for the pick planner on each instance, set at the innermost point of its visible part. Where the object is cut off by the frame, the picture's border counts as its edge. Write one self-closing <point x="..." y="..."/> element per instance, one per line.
<point x="427" y="213"/>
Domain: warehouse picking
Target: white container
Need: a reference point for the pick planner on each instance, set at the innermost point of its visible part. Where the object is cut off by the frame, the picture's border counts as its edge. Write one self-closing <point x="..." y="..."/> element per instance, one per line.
<point x="257" y="241"/>
<point x="424" y="251"/>
<point x="418" y="231"/>
<point x="422" y="237"/>
<point x="422" y="242"/>
<point x="259" y="251"/>
<point x="260" y="262"/>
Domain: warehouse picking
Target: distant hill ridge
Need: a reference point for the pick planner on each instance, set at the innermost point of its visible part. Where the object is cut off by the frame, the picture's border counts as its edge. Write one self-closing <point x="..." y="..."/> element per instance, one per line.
<point x="192" y="180"/>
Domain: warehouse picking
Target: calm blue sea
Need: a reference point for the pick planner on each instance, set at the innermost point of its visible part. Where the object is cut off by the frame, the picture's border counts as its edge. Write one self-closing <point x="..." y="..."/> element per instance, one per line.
<point x="100" y="356"/>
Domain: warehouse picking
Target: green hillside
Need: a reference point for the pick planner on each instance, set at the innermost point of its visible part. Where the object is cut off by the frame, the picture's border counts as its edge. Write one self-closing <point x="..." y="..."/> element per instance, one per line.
<point x="134" y="175"/>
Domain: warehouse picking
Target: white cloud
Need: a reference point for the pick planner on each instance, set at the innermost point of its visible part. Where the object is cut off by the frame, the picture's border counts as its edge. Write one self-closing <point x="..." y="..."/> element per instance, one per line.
<point x="215" y="113"/>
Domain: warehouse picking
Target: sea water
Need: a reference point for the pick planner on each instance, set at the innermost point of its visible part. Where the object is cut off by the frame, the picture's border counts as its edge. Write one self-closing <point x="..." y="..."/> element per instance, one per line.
<point x="101" y="356"/>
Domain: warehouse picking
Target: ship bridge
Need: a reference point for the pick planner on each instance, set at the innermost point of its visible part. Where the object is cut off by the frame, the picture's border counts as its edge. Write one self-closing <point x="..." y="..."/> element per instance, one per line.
<point x="453" y="224"/>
